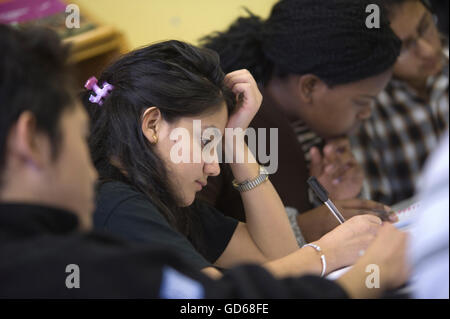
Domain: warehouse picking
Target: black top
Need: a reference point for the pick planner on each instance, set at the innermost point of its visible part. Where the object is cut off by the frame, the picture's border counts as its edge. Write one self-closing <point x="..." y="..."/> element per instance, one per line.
<point x="38" y="243"/>
<point x="130" y="214"/>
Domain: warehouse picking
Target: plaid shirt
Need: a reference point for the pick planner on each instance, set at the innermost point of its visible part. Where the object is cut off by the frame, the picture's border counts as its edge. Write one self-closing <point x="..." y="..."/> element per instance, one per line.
<point x="308" y="139"/>
<point x="394" y="143"/>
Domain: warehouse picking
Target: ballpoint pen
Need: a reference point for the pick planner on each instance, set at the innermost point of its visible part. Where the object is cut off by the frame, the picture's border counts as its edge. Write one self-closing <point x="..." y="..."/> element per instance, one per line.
<point x="322" y="194"/>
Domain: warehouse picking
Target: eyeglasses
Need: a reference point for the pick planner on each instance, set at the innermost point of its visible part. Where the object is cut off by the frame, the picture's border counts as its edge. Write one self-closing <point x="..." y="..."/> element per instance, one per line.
<point x="427" y="30"/>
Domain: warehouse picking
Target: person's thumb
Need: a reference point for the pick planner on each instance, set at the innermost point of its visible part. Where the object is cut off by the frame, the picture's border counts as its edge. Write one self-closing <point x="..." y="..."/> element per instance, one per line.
<point x="316" y="166"/>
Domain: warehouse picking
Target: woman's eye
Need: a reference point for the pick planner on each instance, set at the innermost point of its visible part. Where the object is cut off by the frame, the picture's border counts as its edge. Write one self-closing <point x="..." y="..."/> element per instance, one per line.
<point x="205" y="142"/>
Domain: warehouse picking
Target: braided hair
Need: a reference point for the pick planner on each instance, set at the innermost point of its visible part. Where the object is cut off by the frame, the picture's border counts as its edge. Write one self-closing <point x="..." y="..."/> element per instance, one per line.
<point x="328" y="38"/>
<point x="390" y="5"/>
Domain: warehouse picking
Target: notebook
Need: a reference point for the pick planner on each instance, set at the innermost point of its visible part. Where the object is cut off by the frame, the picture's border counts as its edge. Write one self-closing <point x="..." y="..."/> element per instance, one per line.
<point x="405" y="211"/>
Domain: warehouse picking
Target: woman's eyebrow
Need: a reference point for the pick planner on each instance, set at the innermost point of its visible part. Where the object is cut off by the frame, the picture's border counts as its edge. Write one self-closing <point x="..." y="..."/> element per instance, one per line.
<point x="209" y="126"/>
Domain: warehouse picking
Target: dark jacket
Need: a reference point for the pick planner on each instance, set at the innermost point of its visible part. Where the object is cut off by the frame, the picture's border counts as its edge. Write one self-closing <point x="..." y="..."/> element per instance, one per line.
<point x="37" y="244"/>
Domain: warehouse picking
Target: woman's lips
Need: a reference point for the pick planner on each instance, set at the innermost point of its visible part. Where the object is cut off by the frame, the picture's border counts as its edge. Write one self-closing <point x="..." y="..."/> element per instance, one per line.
<point x="200" y="184"/>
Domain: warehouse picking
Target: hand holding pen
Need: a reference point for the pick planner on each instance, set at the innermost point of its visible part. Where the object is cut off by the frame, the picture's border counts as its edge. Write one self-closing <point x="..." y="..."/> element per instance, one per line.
<point x="351" y="207"/>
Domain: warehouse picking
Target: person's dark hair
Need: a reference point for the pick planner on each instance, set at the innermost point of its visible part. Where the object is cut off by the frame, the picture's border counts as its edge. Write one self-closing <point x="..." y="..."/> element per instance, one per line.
<point x="35" y="77"/>
<point x="178" y="78"/>
<point x="392" y="5"/>
<point x="328" y="38"/>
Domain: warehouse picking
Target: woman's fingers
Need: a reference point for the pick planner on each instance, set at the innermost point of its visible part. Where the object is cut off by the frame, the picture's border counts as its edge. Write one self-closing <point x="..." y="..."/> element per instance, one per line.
<point x="340" y="145"/>
<point x="248" y="96"/>
<point x="363" y="204"/>
<point x="337" y="165"/>
<point x="240" y="76"/>
<point x="384" y="216"/>
<point x="316" y="166"/>
<point x="372" y="219"/>
<point x="353" y="207"/>
<point x="241" y="88"/>
<point x="349" y="173"/>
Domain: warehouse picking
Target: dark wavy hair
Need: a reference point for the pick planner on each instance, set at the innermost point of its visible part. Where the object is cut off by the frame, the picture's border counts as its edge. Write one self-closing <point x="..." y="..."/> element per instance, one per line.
<point x="182" y="81"/>
<point x="328" y="38"/>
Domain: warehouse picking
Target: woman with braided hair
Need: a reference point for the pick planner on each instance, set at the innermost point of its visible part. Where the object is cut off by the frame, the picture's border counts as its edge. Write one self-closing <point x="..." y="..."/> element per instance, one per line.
<point x="319" y="68"/>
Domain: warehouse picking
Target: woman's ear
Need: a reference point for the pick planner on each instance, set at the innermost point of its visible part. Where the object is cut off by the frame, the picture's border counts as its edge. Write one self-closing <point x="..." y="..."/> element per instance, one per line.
<point x="151" y="123"/>
<point x="310" y="87"/>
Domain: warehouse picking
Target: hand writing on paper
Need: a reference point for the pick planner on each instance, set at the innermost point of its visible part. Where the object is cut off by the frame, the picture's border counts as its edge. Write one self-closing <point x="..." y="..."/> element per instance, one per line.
<point x="356" y="206"/>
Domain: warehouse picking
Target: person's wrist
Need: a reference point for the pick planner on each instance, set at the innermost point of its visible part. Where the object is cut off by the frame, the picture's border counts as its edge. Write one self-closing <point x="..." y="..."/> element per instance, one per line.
<point x="244" y="174"/>
<point x="330" y="255"/>
<point x="384" y="279"/>
<point x="244" y="165"/>
<point x="236" y="148"/>
<point x="353" y="282"/>
<point x="323" y="259"/>
<point x="252" y="183"/>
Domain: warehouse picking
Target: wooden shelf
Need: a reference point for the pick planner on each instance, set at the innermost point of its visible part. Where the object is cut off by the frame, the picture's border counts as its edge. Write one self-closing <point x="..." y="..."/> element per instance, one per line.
<point x="98" y="41"/>
<point x="91" y="51"/>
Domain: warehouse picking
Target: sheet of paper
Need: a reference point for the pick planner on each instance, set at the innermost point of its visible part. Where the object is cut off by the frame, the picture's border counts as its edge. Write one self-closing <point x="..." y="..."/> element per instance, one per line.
<point x="406" y="211"/>
<point x="338" y="273"/>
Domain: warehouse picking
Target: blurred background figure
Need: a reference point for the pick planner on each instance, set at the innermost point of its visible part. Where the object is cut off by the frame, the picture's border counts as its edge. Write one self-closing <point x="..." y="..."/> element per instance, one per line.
<point x="429" y="250"/>
<point x="440" y="7"/>
<point x="412" y="113"/>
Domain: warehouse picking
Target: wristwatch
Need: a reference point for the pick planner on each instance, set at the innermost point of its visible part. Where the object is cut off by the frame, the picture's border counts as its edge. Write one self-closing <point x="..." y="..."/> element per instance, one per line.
<point x="251" y="184"/>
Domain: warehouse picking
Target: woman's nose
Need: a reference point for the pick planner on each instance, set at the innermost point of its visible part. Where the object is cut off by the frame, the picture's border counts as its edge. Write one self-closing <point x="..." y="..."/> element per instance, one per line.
<point x="426" y="49"/>
<point x="212" y="169"/>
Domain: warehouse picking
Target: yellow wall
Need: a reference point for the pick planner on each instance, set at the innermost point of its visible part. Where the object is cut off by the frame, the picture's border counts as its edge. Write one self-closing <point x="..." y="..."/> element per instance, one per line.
<point x="147" y="21"/>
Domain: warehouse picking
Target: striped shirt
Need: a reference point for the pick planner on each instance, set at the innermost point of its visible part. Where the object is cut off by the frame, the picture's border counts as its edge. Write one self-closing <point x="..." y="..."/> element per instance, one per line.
<point x="394" y="143"/>
<point x="308" y="139"/>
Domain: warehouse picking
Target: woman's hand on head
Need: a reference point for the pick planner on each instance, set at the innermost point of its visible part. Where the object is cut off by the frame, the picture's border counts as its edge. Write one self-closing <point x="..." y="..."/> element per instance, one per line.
<point x="248" y="98"/>
<point x="347" y="242"/>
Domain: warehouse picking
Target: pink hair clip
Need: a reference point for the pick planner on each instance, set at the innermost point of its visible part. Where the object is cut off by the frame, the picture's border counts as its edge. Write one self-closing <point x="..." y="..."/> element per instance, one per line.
<point x="101" y="93"/>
